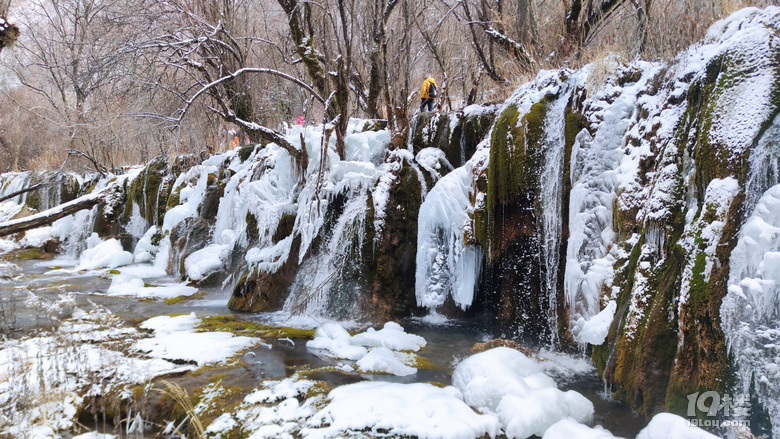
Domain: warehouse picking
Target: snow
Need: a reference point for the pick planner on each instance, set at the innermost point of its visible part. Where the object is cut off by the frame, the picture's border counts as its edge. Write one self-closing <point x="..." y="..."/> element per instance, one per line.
<point x="9" y="209"/>
<point x="568" y="428"/>
<point x="669" y="426"/>
<point x="420" y="410"/>
<point x="434" y="161"/>
<point x="200" y="264"/>
<point x="382" y="360"/>
<point x="599" y="165"/>
<point x="106" y="254"/>
<point x="369" y="146"/>
<point x="175" y="339"/>
<point x="47" y="376"/>
<point x="279" y="420"/>
<point x="129" y="285"/>
<point x="595" y="330"/>
<point x="506" y="383"/>
<point x="333" y="338"/>
<point x="391" y="336"/>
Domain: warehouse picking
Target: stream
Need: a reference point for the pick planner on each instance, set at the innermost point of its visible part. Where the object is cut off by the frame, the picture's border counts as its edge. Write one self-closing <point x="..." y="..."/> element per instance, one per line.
<point x="449" y="341"/>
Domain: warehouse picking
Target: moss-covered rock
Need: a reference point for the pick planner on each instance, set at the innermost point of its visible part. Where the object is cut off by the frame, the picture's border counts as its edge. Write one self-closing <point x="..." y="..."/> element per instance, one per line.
<point x="664" y="345"/>
<point x="431" y="130"/>
<point x="149" y="192"/>
<point x="259" y="291"/>
<point x="507" y="228"/>
<point x="471" y="128"/>
<point x="457" y="134"/>
<point x="389" y="258"/>
<point x="237" y="325"/>
<point x="375" y="125"/>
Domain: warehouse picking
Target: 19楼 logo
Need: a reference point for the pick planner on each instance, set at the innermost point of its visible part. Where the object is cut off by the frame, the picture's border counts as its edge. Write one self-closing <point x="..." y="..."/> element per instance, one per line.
<point x="723" y="410"/>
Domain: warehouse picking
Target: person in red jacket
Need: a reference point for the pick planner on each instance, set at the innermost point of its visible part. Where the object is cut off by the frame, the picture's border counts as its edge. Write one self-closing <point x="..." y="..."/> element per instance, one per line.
<point x="428" y="94"/>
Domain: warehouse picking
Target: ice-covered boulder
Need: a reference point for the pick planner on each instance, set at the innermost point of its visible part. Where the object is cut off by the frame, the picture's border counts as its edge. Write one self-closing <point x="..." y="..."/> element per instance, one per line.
<point x="512" y="386"/>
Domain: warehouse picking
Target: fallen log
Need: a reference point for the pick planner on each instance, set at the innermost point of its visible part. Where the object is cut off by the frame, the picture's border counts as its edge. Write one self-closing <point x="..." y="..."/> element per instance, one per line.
<point x="49" y="216"/>
<point x="24" y="191"/>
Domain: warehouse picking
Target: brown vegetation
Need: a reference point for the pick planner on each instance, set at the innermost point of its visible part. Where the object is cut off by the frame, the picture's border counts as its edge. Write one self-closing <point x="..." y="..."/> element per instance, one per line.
<point x="125" y="81"/>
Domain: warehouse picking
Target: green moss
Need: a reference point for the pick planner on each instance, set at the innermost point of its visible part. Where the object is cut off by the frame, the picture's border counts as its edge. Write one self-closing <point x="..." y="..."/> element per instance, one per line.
<point x="251" y="226"/>
<point x="24" y="254"/>
<point x="245" y="152"/>
<point x="575" y="122"/>
<point x="514" y="171"/>
<point x="234" y="324"/>
<point x="33" y="200"/>
<point x="317" y="389"/>
<point x="173" y="198"/>
<point x="421" y="362"/>
<point x="285" y="227"/>
<point x="375" y="125"/>
<point x="174" y="300"/>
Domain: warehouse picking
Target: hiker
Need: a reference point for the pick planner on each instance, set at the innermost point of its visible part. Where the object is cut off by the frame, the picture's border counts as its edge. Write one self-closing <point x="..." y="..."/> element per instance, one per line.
<point x="428" y="94"/>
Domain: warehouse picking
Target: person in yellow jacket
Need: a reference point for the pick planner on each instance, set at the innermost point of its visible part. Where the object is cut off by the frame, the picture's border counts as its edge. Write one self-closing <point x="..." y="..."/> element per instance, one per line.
<point x="428" y="94"/>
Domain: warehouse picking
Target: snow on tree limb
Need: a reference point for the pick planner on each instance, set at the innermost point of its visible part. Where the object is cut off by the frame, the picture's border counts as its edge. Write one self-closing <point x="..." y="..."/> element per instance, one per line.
<point x="49" y="216"/>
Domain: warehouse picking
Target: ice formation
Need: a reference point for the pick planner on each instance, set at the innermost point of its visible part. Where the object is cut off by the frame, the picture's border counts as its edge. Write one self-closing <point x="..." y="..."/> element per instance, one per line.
<point x="445" y="264"/>
<point x="751" y="310"/>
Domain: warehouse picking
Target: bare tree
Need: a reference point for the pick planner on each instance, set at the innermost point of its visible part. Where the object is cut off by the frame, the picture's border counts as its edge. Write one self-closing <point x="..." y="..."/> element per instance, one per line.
<point x="77" y="59"/>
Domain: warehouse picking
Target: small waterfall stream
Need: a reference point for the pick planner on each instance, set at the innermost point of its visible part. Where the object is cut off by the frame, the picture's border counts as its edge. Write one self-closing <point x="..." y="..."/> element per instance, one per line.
<point x="551" y="201"/>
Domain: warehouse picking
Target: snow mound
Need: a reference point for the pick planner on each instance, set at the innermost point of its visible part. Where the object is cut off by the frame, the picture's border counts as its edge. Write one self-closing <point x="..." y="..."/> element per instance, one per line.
<point x="384" y="361"/>
<point x="569" y="428"/>
<point x="336" y="340"/>
<point x="128" y="285"/>
<point x="391" y="336"/>
<point x="527" y="402"/>
<point x="200" y="264"/>
<point x="669" y="426"/>
<point x="274" y="391"/>
<point x="595" y="330"/>
<point x="105" y="254"/>
<point x="175" y="339"/>
<point x="420" y="410"/>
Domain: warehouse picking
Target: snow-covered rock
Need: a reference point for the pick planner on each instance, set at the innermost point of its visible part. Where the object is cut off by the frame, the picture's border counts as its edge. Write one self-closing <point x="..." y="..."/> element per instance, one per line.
<point x="512" y="386"/>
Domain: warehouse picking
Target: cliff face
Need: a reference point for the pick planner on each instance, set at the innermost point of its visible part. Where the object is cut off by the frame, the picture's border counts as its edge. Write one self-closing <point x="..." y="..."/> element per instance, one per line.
<point x="608" y="202"/>
<point x="630" y="209"/>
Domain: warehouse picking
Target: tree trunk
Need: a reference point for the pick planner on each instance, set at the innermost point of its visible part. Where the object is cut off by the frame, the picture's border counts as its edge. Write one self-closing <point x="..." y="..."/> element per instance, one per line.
<point x="49" y="216"/>
<point x="10" y="32"/>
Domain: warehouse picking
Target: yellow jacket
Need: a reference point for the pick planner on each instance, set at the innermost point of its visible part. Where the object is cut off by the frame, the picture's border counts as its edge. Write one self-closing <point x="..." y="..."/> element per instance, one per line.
<point x="426" y="85"/>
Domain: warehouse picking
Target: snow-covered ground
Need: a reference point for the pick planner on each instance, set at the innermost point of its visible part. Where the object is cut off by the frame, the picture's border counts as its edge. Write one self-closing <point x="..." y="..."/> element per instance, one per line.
<point x="47" y="378"/>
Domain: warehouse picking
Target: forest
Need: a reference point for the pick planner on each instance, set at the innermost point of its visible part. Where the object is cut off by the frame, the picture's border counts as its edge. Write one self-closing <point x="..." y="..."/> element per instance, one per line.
<point x="116" y="83"/>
